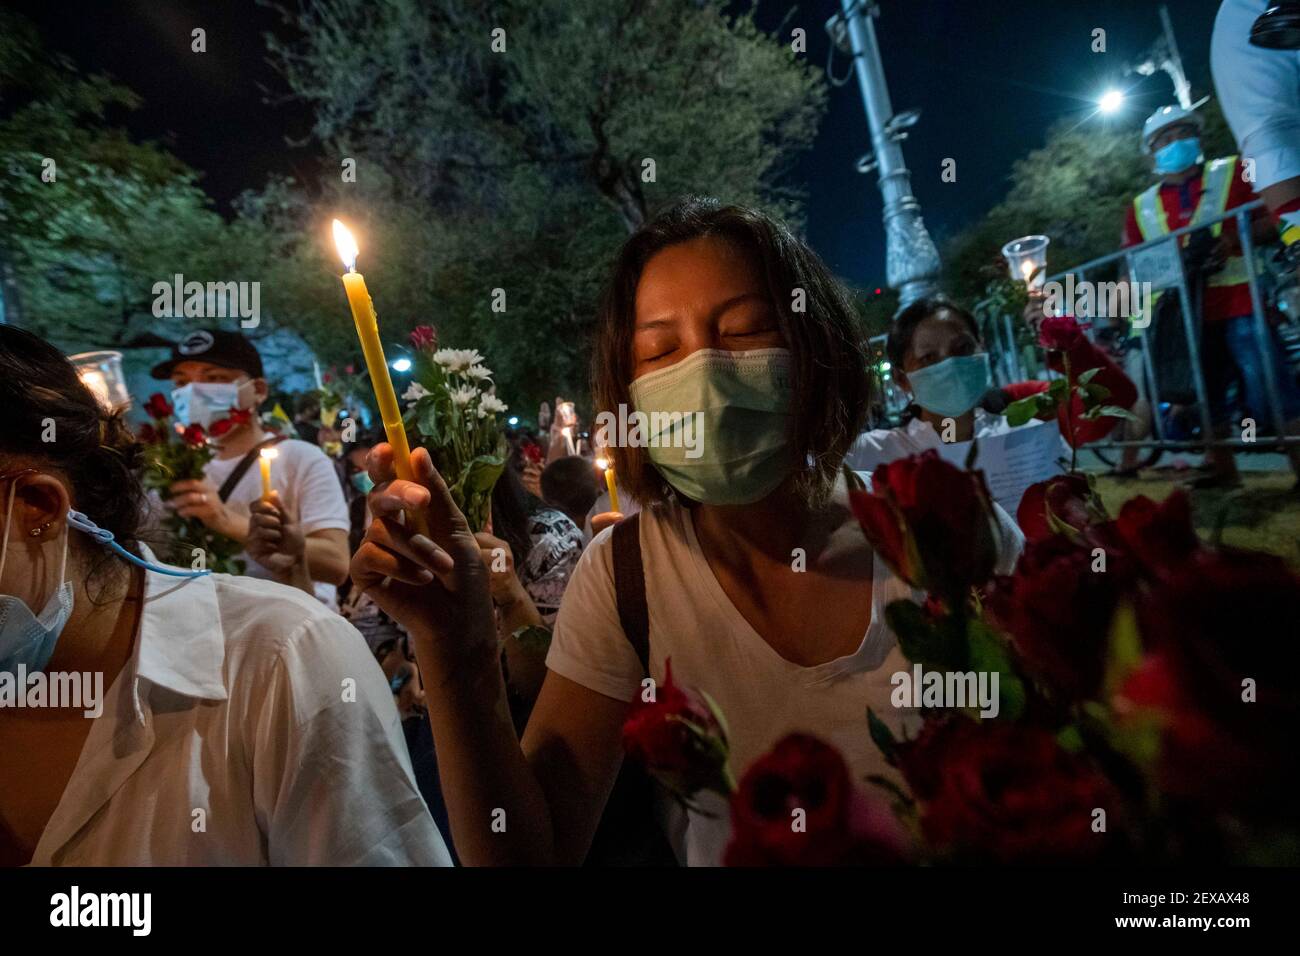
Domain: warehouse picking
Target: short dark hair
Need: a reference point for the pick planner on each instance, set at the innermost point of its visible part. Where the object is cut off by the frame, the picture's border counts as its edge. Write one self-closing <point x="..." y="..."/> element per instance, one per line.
<point x="903" y="328"/>
<point x="570" y="484"/>
<point x="94" y="449"/>
<point x="829" y="385"/>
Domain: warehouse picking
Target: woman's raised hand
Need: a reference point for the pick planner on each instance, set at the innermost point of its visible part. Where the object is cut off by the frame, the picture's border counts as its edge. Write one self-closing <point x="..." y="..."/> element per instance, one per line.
<point x="436" y="586"/>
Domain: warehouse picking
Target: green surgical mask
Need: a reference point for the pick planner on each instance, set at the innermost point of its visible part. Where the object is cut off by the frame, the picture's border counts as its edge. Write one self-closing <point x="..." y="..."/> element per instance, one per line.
<point x="716" y="424"/>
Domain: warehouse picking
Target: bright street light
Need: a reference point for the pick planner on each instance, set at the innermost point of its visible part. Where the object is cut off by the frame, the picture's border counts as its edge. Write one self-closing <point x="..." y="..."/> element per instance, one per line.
<point x="1110" y="101"/>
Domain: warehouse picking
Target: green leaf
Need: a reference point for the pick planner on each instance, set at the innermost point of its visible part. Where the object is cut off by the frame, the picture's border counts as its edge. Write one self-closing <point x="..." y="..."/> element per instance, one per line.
<point x="989" y="652"/>
<point x="1059" y="389"/>
<point x="1022" y="411"/>
<point x="1123" y="648"/>
<point x="1088" y="376"/>
<point x="935" y="645"/>
<point x="882" y="736"/>
<point x="1070" y="739"/>
<point x="1095" y="393"/>
<point x="1109" y="411"/>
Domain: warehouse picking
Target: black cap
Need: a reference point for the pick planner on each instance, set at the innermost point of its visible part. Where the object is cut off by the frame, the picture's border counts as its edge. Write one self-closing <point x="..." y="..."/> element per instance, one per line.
<point x="227" y="349"/>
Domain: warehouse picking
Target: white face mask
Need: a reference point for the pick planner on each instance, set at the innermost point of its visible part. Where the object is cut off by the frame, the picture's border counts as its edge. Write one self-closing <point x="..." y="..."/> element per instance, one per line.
<point x="27" y="638"/>
<point x="202" y="403"/>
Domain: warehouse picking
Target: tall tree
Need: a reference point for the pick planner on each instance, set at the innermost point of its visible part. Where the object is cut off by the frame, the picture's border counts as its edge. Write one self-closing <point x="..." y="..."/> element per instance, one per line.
<point x="504" y="151"/>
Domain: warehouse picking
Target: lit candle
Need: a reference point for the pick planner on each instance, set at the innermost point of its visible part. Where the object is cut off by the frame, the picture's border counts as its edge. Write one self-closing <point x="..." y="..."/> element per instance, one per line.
<point x="608" y="468"/>
<point x="363" y="314"/>
<point x="265" y="463"/>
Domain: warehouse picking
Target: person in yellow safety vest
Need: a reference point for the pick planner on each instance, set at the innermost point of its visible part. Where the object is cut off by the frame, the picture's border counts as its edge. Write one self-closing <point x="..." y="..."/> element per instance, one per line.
<point x="1191" y="191"/>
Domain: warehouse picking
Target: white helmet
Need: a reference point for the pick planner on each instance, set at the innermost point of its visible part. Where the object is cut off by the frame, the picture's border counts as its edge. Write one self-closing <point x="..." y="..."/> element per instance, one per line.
<point x="1168" y="116"/>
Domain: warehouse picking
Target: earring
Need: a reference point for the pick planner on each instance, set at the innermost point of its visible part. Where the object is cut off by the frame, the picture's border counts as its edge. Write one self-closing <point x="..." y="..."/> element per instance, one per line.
<point x="37" y="532"/>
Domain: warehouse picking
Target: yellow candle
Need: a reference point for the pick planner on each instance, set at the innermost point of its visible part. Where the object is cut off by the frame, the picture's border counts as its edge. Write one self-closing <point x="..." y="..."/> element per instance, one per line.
<point x="367" y="322"/>
<point x="265" y="463"/>
<point x="608" y="466"/>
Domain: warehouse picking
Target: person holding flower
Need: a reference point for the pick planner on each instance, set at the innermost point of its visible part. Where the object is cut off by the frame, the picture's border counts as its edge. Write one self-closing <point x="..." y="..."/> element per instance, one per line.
<point x="299" y="537"/>
<point x="756" y="578"/>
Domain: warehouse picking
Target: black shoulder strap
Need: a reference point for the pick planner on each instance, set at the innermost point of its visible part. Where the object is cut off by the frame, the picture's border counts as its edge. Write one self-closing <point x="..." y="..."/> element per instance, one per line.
<point x="245" y="463"/>
<point x="629" y="588"/>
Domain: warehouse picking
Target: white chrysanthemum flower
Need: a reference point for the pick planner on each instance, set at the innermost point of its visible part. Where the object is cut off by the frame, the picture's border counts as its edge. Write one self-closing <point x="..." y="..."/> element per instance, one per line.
<point x="478" y="373"/>
<point x="464" y="395"/>
<point x="415" y="392"/>
<point x="481" y="412"/>
<point x="457" y="360"/>
<point x="490" y="403"/>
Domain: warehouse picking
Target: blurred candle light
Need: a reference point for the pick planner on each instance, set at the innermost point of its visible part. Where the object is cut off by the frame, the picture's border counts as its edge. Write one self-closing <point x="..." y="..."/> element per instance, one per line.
<point x="265" y="463"/>
<point x="367" y="323"/>
<point x="101" y="372"/>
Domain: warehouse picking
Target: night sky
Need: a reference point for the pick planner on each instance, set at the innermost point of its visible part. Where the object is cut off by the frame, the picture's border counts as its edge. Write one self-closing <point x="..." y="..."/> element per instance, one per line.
<point x="990" y="77"/>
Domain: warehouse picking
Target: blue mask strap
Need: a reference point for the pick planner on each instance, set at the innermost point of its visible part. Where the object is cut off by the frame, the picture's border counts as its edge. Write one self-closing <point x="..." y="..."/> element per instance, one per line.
<point x="79" y="521"/>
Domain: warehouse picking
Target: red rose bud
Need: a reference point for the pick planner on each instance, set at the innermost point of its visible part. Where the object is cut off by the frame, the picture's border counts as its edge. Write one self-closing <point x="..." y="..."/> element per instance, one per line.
<point x="1057" y="611"/>
<point x="1066" y="497"/>
<point x="158" y="406"/>
<point x="1059" y="332"/>
<point x="680" y="739"/>
<point x="993" y="791"/>
<point x="931" y="522"/>
<point x="424" y="337"/>
<point x="194" y="435"/>
<point x="797" y="806"/>
<point x="148" y="434"/>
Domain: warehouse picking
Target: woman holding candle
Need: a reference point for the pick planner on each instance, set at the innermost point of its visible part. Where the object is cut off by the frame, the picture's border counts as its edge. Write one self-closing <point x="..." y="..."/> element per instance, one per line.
<point x="697" y="316"/>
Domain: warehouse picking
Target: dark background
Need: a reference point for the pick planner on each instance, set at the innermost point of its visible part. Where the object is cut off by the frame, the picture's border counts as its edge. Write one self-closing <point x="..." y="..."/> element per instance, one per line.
<point x="989" y="77"/>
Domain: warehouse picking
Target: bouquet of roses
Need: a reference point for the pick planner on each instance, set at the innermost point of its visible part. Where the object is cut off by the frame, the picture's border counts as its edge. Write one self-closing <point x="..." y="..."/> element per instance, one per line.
<point x="175" y="453"/>
<point x="1146" y="688"/>
<point x="453" y="411"/>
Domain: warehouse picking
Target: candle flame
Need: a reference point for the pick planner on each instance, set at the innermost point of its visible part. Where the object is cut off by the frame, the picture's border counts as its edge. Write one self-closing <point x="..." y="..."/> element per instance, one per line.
<point x="347" y="246"/>
<point x="602" y="463"/>
<point x="269" y="453"/>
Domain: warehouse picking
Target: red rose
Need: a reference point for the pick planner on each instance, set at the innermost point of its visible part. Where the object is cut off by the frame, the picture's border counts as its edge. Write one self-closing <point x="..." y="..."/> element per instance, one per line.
<point x="241" y="416"/>
<point x="1066" y="496"/>
<point x="931" y="522"/>
<point x="158" y="406"/>
<point x="194" y="435"/>
<point x="1211" y="623"/>
<point x="993" y="791"/>
<point x="1059" y="332"/>
<point x="1057" y="611"/>
<point x="1158" y="535"/>
<point x="349" y="369"/>
<point x="679" y="738"/>
<point x="424" y="337"/>
<point x="839" y="825"/>
<point x="147" y="434"/>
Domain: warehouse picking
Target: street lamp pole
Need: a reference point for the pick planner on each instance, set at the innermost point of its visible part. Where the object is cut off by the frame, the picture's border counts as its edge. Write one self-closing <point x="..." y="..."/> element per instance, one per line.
<point x="911" y="259"/>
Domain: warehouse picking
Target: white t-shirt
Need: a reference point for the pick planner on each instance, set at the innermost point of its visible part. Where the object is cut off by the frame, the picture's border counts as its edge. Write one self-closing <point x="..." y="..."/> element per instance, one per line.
<point x="762" y="695"/>
<point x="309" y="488"/>
<point x="249" y="701"/>
<point x="1259" y="91"/>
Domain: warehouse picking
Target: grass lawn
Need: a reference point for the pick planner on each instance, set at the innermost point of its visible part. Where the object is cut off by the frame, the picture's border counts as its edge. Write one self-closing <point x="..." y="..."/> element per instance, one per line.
<point x="1263" y="514"/>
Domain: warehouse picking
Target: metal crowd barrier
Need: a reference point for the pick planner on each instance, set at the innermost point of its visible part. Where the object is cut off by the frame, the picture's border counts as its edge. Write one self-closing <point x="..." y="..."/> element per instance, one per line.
<point x="1242" y="215"/>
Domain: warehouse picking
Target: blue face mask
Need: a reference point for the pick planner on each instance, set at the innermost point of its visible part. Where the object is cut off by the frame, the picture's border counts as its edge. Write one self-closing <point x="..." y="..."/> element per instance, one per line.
<point x="1178" y="155"/>
<point x="952" y="387"/>
<point x="362" y="482"/>
<point x="28" y="639"/>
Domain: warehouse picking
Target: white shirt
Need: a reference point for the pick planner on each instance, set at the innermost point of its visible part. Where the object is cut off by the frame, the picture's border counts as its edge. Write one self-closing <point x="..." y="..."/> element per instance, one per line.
<point x="309" y="488"/>
<point x="231" y="738"/>
<point x="714" y="649"/>
<point x="1259" y="91"/>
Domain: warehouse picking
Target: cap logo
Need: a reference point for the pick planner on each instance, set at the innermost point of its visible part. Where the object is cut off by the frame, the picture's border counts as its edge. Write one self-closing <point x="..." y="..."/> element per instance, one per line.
<point x="195" y="343"/>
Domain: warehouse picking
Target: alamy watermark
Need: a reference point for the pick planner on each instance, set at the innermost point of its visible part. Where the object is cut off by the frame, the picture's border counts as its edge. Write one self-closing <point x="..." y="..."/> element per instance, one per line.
<point x="80" y="690"/>
<point x="948" y="690"/>
<point x="1091" y="300"/>
<point x="636" y="429"/>
<point x="212" y="300"/>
